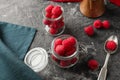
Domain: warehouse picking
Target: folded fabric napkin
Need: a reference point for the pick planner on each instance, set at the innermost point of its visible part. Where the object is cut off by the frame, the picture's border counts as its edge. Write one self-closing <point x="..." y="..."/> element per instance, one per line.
<point x="14" y="43"/>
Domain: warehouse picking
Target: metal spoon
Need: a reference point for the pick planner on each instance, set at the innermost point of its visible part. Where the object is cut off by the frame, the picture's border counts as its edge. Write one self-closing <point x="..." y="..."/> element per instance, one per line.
<point x="103" y="72"/>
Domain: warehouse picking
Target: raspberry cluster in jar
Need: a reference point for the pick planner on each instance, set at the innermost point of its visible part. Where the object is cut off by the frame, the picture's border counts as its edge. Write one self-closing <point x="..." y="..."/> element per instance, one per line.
<point x="64" y="51"/>
<point x="53" y="19"/>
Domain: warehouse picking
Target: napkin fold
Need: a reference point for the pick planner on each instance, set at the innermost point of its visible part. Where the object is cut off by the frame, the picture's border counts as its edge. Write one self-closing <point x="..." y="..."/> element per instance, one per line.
<point x="17" y="38"/>
<point x="14" y="43"/>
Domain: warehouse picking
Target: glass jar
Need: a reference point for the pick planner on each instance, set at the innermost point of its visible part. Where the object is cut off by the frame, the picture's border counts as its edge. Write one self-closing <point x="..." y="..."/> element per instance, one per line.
<point x="54" y="25"/>
<point x="70" y="56"/>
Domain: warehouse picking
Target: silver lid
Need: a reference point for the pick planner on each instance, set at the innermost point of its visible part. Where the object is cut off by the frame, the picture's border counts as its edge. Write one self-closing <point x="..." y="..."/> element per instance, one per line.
<point x="36" y="59"/>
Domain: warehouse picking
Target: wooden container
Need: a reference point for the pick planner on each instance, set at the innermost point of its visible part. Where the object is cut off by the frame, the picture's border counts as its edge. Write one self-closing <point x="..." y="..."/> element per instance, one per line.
<point x="92" y="8"/>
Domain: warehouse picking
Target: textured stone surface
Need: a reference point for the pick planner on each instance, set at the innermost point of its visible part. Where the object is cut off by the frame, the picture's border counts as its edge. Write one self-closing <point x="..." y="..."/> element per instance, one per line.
<point x="29" y="13"/>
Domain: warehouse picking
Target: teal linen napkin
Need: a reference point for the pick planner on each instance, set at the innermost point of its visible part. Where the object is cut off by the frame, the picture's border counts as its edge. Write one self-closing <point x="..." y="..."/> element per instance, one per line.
<point x="14" y="43"/>
<point x="17" y="38"/>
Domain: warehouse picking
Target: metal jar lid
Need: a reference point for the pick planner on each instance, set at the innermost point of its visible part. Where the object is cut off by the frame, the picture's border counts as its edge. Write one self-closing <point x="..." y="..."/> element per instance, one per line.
<point x="36" y="59"/>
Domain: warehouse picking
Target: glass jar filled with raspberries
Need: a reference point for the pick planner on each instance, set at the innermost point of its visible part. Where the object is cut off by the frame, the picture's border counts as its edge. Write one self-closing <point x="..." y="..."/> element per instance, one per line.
<point x="64" y="51"/>
<point x="54" y="20"/>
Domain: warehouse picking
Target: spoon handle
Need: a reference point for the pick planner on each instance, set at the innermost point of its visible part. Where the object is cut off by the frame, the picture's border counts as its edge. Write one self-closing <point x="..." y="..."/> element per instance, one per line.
<point x="103" y="72"/>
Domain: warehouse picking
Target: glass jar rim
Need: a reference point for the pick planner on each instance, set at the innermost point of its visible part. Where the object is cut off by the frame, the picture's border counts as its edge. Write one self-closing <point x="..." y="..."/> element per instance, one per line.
<point x="55" y="19"/>
<point x="64" y="57"/>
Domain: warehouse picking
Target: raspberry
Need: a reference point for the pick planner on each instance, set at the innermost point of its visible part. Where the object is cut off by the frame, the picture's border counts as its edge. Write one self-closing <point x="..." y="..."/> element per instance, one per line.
<point x="46" y="22"/>
<point x="54" y="58"/>
<point x="61" y="24"/>
<point x="97" y="24"/>
<point x="71" y="51"/>
<point x="58" y="41"/>
<point x="60" y="50"/>
<point x="48" y="15"/>
<point x="89" y="30"/>
<point x="111" y="45"/>
<point x="53" y="31"/>
<point x="54" y="16"/>
<point x="72" y="40"/>
<point x="93" y="64"/>
<point x="65" y="63"/>
<point x="106" y="24"/>
<point x="57" y="11"/>
<point x="49" y="8"/>
<point x="73" y="60"/>
<point x="69" y="48"/>
<point x="66" y="43"/>
<point x="54" y="25"/>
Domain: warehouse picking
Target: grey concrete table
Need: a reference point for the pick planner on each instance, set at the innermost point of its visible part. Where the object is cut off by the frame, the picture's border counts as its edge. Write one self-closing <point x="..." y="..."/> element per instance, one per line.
<point x="28" y="13"/>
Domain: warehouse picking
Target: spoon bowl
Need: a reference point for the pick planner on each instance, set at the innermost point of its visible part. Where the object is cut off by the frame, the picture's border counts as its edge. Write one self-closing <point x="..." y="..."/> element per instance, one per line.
<point x="111" y="38"/>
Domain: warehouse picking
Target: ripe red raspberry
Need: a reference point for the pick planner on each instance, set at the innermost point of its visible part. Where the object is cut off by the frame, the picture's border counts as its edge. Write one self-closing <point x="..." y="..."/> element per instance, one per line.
<point x="97" y="24"/>
<point x="57" y="11"/>
<point x="53" y="31"/>
<point x="61" y="24"/>
<point x="71" y="51"/>
<point x="106" y="24"/>
<point x="48" y="15"/>
<point x="72" y="40"/>
<point x="60" y="50"/>
<point x="111" y="45"/>
<point x="73" y="60"/>
<point x="66" y="43"/>
<point x="89" y="30"/>
<point x="58" y="41"/>
<point x="65" y="63"/>
<point x="69" y="48"/>
<point x="49" y="8"/>
<point x="54" y="58"/>
<point x="54" y="25"/>
<point x="54" y="16"/>
<point x="93" y="64"/>
<point x="46" y="22"/>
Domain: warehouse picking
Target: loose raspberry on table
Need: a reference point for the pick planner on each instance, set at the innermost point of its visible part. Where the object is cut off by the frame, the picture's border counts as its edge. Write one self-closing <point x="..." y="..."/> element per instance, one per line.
<point x="93" y="64"/>
<point x="106" y="24"/>
<point x="89" y="30"/>
<point x="111" y="45"/>
<point x="97" y="24"/>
